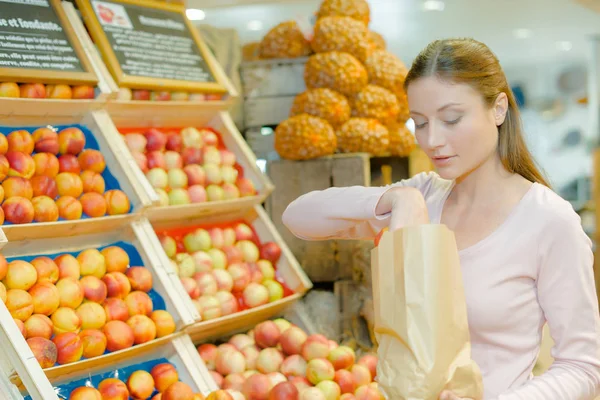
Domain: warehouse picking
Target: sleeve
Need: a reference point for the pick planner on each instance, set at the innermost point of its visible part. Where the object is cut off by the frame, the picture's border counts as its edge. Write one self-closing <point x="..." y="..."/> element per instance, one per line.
<point x="344" y="213"/>
<point x="567" y="295"/>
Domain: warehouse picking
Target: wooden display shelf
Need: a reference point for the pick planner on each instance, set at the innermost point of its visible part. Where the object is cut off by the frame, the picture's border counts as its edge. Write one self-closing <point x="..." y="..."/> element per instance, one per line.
<point x="178" y="350"/>
<point x="287" y="266"/>
<point x="134" y="235"/>
<point x="232" y="139"/>
<point x="131" y="180"/>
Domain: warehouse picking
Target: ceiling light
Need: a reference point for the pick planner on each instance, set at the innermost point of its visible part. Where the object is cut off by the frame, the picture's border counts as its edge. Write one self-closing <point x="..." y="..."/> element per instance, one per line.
<point x="255" y="25"/>
<point x="522" y="33"/>
<point x="194" y="14"/>
<point x="564" y="45"/>
<point x="433" y="5"/>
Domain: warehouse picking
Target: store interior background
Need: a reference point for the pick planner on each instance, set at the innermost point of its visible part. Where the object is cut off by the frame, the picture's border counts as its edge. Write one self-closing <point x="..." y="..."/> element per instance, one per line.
<point x="545" y="48"/>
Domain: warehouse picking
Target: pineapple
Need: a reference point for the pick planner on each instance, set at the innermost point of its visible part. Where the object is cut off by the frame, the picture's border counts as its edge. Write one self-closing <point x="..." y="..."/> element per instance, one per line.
<point x="342" y="34"/>
<point x="286" y="40"/>
<point x="324" y="103"/>
<point x="335" y="70"/>
<point x="376" y="102"/>
<point x="363" y="135"/>
<point x="357" y="9"/>
<point x="303" y="137"/>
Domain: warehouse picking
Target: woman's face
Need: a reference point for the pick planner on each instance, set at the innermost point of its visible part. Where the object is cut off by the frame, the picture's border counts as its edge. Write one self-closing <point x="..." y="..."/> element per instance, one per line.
<point x="453" y="125"/>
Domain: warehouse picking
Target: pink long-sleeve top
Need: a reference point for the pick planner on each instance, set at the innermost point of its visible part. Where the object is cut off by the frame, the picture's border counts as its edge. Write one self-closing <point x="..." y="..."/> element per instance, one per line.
<point x="535" y="268"/>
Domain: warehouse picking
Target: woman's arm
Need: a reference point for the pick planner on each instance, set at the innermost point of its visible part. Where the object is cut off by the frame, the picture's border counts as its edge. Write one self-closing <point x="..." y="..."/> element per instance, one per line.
<point x="355" y="212"/>
<point x="567" y="294"/>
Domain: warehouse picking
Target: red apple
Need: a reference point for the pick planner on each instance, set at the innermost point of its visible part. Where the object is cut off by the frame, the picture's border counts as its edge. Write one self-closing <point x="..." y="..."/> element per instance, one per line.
<point x="270" y="251"/>
<point x="141" y="94"/>
<point x="174" y="142"/>
<point x="156" y="140"/>
<point x="243" y="232"/>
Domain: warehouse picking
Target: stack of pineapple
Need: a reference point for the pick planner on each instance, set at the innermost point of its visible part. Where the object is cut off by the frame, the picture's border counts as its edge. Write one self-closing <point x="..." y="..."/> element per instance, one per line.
<point x="355" y="100"/>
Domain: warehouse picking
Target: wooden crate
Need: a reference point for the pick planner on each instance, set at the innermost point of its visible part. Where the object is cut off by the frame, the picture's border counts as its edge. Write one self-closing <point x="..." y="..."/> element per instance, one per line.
<point x="129" y="179"/>
<point x="273" y="78"/>
<point x="265" y="111"/>
<point x="178" y="351"/>
<point x="222" y="123"/>
<point x="287" y="267"/>
<point x="133" y="236"/>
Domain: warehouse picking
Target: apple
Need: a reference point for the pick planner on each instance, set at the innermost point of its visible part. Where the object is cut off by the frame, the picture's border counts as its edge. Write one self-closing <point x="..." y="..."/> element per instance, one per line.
<point x="266" y="268"/>
<point x="210" y="138"/>
<point x="246" y="187"/>
<point x="227" y="157"/>
<point x="211" y="155"/>
<point x="141" y="94"/>
<point x="160" y="96"/>
<point x="274" y="290"/>
<point x="136" y="142"/>
<point x="197" y="240"/>
<point x="249" y="250"/>
<point x="173" y="160"/>
<point x="203" y="261"/>
<point x="191" y="156"/>
<point x="177" y="178"/>
<point x="174" y="142"/>
<point x="229" y="237"/>
<point x="230" y="191"/>
<point x="213" y="174"/>
<point x="216" y="235"/>
<point x="219" y="258"/>
<point x="158" y="178"/>
<point x="215" y="193"/>
<point x="270" y="251"/>
<point x="243" y="232"/>
<point x="125" y="94"/>
<point x="163" y="197"/>
<point x="195" y="174"/>
<point x="234" y="255"/>
<point x="179" y="196"/>
<point x="156" y="140"/>
<point x="197" y="194"/>
<point x="156" y="159"/>
<point x="229" y="174"/>
<point x="256" y="295"/>
<point x="191" y="137"/>
<point x="185" y="265"/>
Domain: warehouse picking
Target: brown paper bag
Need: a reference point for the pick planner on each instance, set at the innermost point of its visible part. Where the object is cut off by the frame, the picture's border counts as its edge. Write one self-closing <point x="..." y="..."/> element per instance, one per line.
<point x="421" y="316"/>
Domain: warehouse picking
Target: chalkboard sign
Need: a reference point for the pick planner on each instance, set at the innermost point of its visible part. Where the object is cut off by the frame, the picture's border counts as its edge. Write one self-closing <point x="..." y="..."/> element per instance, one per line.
<point x="37" y="44"/>
<point x="150" y="45"/>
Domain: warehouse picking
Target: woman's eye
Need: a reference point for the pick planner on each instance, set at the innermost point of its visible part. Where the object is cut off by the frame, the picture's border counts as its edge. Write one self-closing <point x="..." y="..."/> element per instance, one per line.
<point x="454" y="122"/>
<point x="420" y="126"/>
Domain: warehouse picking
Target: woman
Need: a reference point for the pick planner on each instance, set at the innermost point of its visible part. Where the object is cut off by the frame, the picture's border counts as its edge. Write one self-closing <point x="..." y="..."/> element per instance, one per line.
<point x="525" y="258"/>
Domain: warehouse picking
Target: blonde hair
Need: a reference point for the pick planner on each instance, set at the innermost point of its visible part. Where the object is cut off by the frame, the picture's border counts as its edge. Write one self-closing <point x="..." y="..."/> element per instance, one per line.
<point x="471" y="62"/>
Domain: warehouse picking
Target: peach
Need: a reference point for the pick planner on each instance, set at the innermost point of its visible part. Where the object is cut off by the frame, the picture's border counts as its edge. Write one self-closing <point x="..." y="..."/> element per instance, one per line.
<point x="266" y="334"/>
<point x="92" y="263"/>
<point x="202" y="260"/>
<point x="68" y="266"/>
<point x="197" y="240"/>
<point x="69" y="347"/>
<point x="192" y="156"/>
<point x="246" y="187"/>
<point x="141" y="160"/>
<point x="330" y="389"/>
<point x="185" y="265"/>
<point x="71" y="141"/>
<point x="140" y="384"/>
<point x="45" y="297"/>
<point x="20" y="275"/>
<point x="276" y="378"/>
<point x="33" y="90"/>
<point x="191" y="287"/>
<point x="69" y="208"/>
<point x="44" y="186"/>
<point x="251" y="354"/>
<point x="206" y="283"/>
<point x="318" y="370"/>
<point x="218" y="257"/>
<point x="45" y="209"/>
<point x="3" y="267"/>
<point x="342" y="357"/>
<point x="92" y="182"/>
<point x="223" y="279"/>
<point x="164" y="375"/>
<point x="17" y="187"/>
<point x="38" y="325"/>
<point x="345" y="379"/>
<point x="210" y="307"/>
<point x="4" y="165"/>
<point x="20" y="164"/>
<point x="293" y="365"/>
<point x="315" y="346"/>
<point x="234" y="382"/>
<point x="361" y="374"/>
<point x="215" y="193"/>
<point x="68" y="163"/>
<point x="46" y="141"/>
<point x="143" y="328"/>
<point x="92" y="315"/>
<point x="71" y="292"/>
<point x="191" y="137"/>
<point x="240" y="273"/>
<point x="174" y="142"/>
<point x="2" y="292"/>
<point x="93" y="341"/>
<point x="20" y="141"/>
<point x="20" y="325"/>
<point x="91" y="160"/>
<point x="367" y="392"/>
<point x="136" y="142"/>
<point x="195" y="174"/>
<point x="140" y="278"/>
<point x="116" y="310"/>
<point x="249" y="250"/>
<point x="229" y="394"/>
<point x="173" y="160"/>
<point x="139" y="303"/>
<point x="230" y="191"/>
<point x="94" y="289"/>
<point x="83" y="92"/>
<point x="369" y="361"/>
<point x="178" y="391"/>
<point x="117" y="259"/>
<point x="44" y="350"/>
<point x="119" y="335"/>
<point x="140" y="94"/>
<point x="347" y="396"/>
<point x="197" y="194"/>
<point x="311" y="393"/>
<point x="179" y="196"/>
<point x="212" y="157"/>
<point x="292" y="340"/>
<point x="241" y="340"/>
<point x="283" y="324"/>
<point x="249" y="373"/>
<point x="208" y="352"/>
<point x="256" y="275"/>
<point x="46" y="164"/>
<point x="18" y="210"/>
<point x="232" y="253"/>
<point x="156" y="140"/>
<point x="85" y="393"/>
<point x="284" y="391"/>
<point x="230" y="362"/>
<point x="117" y="284"/>
<point x="93" y="204"/>
<point x="255" y="295"/>
<point x="59" y="92"/>
<point x="117" y="202"/>
<point x="269" y="360"/>
<point x="257" y="387"/>
<point x="9" y="89"/>
<point x="164" y="322"/>
<point x="227" y="157"/>
<point x="66" y="320"/>
<point x="69" y="184"/>
<point x="113" y="389"/>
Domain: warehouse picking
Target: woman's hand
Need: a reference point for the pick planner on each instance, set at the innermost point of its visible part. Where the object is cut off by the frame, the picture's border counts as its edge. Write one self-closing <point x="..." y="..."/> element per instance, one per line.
<point x="448" y="395"/>
<point x="406" y="205"/>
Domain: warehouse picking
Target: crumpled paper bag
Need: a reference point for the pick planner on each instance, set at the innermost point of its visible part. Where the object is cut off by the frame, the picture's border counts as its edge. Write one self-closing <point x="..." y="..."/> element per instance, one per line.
<point x="421" y="316"/>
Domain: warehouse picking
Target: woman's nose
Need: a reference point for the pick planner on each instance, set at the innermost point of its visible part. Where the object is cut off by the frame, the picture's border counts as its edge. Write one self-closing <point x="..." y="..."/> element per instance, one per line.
<point x="435" y="136"/>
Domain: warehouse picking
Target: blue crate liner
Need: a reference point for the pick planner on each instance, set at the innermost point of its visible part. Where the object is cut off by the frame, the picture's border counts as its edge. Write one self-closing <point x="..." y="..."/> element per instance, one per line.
<point x="110" y="181"/>
<point x="64" y="391"/>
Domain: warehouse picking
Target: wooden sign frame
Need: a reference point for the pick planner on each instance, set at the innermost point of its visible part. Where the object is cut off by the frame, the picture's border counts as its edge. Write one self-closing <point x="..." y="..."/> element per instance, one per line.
<point x="30" y="75"/>
<point x="139" y="82"/>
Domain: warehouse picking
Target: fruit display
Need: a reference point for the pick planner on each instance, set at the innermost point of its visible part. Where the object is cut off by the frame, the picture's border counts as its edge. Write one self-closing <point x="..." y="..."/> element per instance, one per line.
<point x="41" y="91"/>
<point x="224" y="269"/>
<point x="188" y="165"/>
<point x="335" y="70"/>
<point x="127" y="94"/>
<point x="286" y="40"/>
<point x="323" y="103"/>
<point x="303" y="137"/>
<point x="81" y="305"/>
<point x="155" y="379"/>
<point x="280" y="361"/>
<point x="55" y="173"/>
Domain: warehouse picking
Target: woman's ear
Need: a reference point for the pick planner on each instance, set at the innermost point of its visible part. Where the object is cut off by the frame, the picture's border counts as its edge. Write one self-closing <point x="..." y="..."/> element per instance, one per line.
<point x="500" y="108"/>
